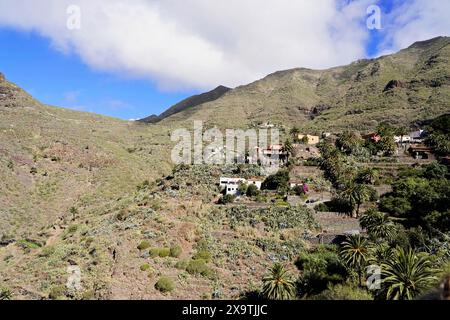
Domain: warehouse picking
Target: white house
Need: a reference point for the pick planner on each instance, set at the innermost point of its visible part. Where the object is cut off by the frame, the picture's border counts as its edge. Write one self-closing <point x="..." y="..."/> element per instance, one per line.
<point x="402" y="139"/>
<point x="231" y="185"/>
<point x="256" y="182"/>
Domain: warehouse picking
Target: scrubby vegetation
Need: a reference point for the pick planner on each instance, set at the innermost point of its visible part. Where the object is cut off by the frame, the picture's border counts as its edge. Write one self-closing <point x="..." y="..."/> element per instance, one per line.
<point x="104" y="196"/>
<point x="165" y="284"/>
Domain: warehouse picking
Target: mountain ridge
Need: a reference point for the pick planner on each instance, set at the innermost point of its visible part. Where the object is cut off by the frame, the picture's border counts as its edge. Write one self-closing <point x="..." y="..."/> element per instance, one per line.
<point x="187" y="103"/>
<point x="325" y="99"/>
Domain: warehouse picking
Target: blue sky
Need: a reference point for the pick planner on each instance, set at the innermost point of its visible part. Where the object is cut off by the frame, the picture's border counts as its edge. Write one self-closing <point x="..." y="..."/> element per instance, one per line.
<point x="59" y="79"/>
<point x="135" y="73"/>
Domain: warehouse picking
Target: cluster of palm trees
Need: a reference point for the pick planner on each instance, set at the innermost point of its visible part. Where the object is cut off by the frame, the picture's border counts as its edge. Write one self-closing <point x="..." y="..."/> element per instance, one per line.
<point x="405" y="274"/>
<point x="353" y="186"/>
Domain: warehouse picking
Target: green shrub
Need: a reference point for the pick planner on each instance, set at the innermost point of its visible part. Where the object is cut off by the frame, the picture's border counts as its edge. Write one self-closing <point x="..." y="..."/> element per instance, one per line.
<point x="198" y="267"/>
<point x="276" y="181"/>
<point x="145" y="267"/>
<point x="226" y="199"/>
<point x="165" y="284"/>
<point x="281" y="203"/>
<point x="164" y="252"/>
<point x="159" y="252"/>
<point x="175" y="251"/>
<point x="57" y="292"/>
<point x="252" y="191"/>
<point x="29" y="244"/>
<point x="261" y="198"/>
<point x="144" y="245"/>
<point x="322" y="207"/>
<point x="242" y="189"/>
<point x="320" y="268"/>
<point x="344" y="292"/>
<point x="182" y="264"/>
<point x="72" y="229"/>
<point x="154" y="252"/>
<point x="202" y="254"/>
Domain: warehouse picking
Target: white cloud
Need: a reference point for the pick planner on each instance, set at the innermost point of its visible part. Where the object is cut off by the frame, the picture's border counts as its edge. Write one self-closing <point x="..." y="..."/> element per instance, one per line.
<point x="199" y="43"/>
<point x="415" y="20"/>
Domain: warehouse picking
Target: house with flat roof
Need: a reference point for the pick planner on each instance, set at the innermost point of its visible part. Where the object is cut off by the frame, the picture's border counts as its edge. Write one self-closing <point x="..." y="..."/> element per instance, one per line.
<point x="231" y="185"/>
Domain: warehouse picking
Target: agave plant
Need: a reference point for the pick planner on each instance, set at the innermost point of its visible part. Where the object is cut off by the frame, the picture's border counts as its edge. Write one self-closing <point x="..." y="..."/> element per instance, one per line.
<point x="5" y="294"/>
<point x="406" y="275"/>
<point x="355" y="253"/>
<point x="380" y="252"/>
<point x="278" y="284"/>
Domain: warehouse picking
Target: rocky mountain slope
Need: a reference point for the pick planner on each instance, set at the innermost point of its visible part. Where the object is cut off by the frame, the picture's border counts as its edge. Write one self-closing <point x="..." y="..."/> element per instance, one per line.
<point x="400" y="88"/>
<point x="51" y="159"/>
<point x="78" y="189"/>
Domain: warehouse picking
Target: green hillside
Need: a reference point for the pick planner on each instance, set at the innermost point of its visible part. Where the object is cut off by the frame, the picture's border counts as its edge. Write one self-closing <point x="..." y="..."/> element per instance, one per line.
<point x="101" y="193"/>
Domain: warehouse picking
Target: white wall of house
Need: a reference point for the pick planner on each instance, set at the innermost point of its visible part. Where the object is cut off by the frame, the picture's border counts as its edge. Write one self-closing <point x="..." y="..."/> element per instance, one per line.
<point x="257" y="183"/>
<point x="405" y="139"/>
<point x="231" y="185"/>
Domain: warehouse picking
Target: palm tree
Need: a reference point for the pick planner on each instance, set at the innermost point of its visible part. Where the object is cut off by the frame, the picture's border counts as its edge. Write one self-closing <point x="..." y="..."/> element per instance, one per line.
<point x="406" y="275"/>
<point x="368" y="176"/>
<point x="355" y="194"/>
<point x="294" y="132"/>
<point x="288" y="148"/>
<point x="348" y="141"/>
<point x="379" y="225"/>
<point x="355" y="254"/>
<point x="278" y="285"/>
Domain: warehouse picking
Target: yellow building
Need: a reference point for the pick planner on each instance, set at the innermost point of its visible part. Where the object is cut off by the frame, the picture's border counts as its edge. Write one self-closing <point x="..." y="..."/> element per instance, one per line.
<point x="312" y="140"/>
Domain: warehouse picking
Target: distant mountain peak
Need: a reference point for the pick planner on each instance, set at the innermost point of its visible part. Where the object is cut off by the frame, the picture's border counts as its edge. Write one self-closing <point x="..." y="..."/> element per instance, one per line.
<point x="189" y="103"/>
<point x="429" y="42"/>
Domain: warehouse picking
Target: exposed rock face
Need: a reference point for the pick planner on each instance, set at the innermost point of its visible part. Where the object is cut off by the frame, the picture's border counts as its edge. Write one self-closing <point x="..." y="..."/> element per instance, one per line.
<point x="394" y="84"/>
<point x="318" y="109"/>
